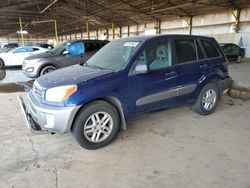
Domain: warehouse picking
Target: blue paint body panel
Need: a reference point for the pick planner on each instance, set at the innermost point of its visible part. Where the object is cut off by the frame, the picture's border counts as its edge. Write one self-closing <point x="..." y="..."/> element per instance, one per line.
<point x="128" y="88"/>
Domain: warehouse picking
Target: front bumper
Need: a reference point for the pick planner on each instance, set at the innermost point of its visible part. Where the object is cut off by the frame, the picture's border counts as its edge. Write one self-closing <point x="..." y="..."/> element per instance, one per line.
<point x="31" y="74"/>
<point x="40" y="117"/>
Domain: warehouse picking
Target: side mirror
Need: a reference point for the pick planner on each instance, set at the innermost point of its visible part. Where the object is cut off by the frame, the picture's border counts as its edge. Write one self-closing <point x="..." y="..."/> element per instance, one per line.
<point x="65" y="52"/>
<point x="141" y="69"/>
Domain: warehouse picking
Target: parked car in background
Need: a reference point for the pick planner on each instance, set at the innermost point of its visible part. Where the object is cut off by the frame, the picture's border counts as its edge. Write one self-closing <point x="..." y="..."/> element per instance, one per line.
<point x="49" y="46"/>
<point x="2" y="50"/>
<point x="16" y="56"/>
<point x="63" y="55"/>
<point x="233" y="51"/>
<point x="11" y="45"/>
<point x="126" y="78"/>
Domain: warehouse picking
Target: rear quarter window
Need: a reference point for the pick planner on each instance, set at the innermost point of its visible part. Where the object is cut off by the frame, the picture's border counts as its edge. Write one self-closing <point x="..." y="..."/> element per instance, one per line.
<point x="210" y="49"/>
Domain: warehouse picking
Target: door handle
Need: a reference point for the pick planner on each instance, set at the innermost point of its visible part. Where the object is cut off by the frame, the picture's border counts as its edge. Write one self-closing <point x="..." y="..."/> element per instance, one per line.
<point x="204" y="66"/>
<point x="170" y="73"/>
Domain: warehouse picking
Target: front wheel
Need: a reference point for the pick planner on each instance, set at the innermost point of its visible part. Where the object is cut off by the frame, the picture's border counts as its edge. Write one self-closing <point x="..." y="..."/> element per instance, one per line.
<point x="208" y="99"/>
<point x="96" y="125"/>
<point x="47" y="69"/>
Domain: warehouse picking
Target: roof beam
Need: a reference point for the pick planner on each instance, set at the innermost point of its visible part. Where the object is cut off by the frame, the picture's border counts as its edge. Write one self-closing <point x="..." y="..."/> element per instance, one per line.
<point x="137" y="10"/>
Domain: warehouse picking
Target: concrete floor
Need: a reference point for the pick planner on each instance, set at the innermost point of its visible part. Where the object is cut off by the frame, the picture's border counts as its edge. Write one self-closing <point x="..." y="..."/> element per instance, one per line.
<point x="241" y="71"/>
<point x="169" y="148"/>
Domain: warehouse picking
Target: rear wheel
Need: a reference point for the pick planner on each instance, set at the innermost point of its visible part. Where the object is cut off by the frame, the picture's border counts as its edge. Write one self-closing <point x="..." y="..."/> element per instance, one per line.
<point x="239" y="59"/>
<point x="96" y="125"/>
<point x="1" y="63"/>
<point x="47" y="69"/>
<point x="208" y="99"/>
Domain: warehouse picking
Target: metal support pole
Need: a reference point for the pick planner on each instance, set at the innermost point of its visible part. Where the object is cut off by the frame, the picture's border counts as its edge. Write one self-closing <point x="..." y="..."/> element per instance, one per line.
<point x="21" y="30"/>
<point x="87" y="26"/>
<point x="56" y="31"/>
<point x="120" y="32"/>
<point x="107" y="33"/>
<point x="97" y="34"/>
<point x="113" y="30"/>
<point x="158" y="27"/>
<point x="237" y="20"/>
<point x="190" y="25"/>
<point x="128" y="30"/>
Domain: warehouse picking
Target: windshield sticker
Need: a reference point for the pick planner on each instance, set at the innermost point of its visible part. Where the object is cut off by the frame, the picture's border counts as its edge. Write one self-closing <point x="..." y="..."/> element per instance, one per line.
<point x="131" y="44"/>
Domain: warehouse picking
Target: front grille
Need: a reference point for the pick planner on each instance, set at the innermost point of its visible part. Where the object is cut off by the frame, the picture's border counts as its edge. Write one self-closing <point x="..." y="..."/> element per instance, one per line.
<point x="37" y="91"/>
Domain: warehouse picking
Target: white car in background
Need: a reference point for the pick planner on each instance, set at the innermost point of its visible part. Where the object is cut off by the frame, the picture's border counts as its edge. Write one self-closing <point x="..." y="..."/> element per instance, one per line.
<point x="16" y="56"/>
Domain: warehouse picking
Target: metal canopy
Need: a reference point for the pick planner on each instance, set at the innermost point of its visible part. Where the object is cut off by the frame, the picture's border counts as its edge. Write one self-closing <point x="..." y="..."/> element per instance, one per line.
<point x="73" y="15"/>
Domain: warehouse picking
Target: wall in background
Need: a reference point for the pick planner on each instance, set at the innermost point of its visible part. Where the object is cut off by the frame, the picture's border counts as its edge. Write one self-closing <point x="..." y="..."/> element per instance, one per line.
<point x="220" y="25"/>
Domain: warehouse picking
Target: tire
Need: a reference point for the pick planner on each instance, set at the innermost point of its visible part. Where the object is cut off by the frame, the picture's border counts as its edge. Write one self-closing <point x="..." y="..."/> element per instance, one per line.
<point x="206" y="104"/>
<point x="87" y="127"/>
<point x="1" y="63"/>
<point x="47" y="69"/>
<point x="239" y="59"/>
<point x="2" y="74"/>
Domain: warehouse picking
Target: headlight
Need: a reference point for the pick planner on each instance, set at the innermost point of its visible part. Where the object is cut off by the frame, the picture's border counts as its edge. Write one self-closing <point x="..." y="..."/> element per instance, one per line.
<point x="59" y="94"/>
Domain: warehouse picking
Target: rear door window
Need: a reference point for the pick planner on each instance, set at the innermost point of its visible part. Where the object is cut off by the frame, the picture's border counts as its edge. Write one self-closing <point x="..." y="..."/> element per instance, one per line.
<point x="185" y="50"/>
<point x="92" y="46"/>
<point x="210" y="49"/>
<point x="104" y="43"/>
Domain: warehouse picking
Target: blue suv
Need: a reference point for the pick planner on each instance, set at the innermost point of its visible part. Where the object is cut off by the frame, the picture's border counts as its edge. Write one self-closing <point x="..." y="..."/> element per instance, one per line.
<point x="126" y="78"/>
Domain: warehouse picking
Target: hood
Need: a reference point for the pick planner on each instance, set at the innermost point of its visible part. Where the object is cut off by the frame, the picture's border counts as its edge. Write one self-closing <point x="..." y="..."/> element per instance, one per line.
<point x="70" y="75"/>
<point x="41" y="55"/>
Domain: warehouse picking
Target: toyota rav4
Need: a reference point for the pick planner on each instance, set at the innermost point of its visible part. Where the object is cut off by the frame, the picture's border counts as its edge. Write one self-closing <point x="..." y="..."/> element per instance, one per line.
<point x="126" y="78"/>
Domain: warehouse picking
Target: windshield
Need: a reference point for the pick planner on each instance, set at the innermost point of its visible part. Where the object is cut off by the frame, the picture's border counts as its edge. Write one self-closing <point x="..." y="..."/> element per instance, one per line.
<point x="58" y="49"/>
<point x="114" y="56"/>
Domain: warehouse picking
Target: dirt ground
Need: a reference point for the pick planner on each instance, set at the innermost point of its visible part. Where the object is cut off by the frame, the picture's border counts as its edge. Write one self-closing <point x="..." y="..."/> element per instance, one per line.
<point x="172" y="148"/>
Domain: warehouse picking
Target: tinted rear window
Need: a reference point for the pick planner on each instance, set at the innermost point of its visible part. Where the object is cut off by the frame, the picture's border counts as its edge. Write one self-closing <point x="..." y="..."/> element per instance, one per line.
<point x="185" y="50"/>
<point x="210" y="49"/>
<point x="92" y="47"/>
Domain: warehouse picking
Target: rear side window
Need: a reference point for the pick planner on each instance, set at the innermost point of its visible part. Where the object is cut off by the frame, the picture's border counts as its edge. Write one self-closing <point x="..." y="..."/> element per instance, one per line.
<point x="92" y="47"/>
<point x="24" y="49"/>
<point x="234" y="47"/>
<point x="210" y="49"/>
<point x="104" y="43"/>
<point x="185" y="50"/>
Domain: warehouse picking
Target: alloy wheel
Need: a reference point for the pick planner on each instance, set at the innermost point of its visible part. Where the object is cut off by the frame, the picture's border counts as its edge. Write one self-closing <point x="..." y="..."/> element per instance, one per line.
<point x="98" y="127"/>
<point x="209" y="99"/>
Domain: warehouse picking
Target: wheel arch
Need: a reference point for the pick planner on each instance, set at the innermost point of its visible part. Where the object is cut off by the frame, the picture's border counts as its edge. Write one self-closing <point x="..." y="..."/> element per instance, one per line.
<point x="3" y="61"/>
<point x="47" y="64"/>
<point x="112" y="101"/>
<point x="210" y="79"/>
